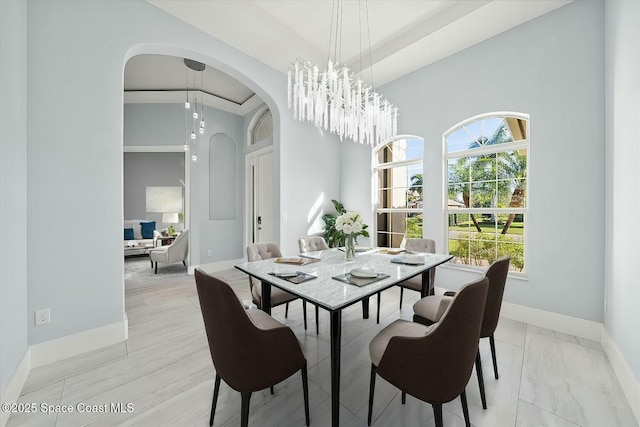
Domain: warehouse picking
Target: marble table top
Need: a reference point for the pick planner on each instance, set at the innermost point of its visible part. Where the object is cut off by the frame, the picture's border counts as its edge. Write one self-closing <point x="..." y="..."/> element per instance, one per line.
<point x="332" y="294"/>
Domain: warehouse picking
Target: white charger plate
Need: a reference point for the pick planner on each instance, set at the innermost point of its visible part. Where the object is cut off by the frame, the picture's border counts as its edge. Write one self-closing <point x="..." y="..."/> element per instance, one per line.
<point x="286" y="274"/>
<point x="364" y="273"/>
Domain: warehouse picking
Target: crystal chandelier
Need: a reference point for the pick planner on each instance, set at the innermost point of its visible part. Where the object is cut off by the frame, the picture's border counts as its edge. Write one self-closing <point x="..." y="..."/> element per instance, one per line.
<point x="194" y="120"/>
<point x="340" y="102"/>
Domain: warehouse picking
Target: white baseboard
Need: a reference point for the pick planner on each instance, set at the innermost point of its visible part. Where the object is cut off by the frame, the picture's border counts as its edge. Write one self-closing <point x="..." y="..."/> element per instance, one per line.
<point x="14" y="388"/>
<point x="628" y="382"/>
<point x="556" y="322"/>
<point x="212" y="267"/>
<point x="125" y="325"/>
<point x="72" y="345"/>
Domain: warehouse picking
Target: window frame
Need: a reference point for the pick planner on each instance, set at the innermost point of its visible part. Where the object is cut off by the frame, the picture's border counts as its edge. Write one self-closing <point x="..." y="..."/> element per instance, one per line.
<point x="391" y="165"/>
<point x="256" y="121"/>
<point x="524" y="144"/>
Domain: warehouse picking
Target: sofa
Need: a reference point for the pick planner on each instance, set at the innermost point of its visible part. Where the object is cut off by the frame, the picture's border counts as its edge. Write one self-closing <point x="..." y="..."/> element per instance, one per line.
<point x="139" y="236"/>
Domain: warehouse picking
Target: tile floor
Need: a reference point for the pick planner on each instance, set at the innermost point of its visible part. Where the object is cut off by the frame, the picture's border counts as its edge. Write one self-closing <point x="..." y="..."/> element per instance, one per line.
<point x="164" y="370"/>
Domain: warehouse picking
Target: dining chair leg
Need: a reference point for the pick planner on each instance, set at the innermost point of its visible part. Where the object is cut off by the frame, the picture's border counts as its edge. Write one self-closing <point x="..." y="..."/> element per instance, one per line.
<point x="404" y="397"/>
<point x="465" y="408"/>
<point x="305" y="393"/>
<point x="317" y="320"/>
<point x="286" y="310"/>
<point x="492" y="342"/>
<point x="304" y="313"/>
<point x="156" y="272"/>
<point x="244" y="412"/>
<point x="271" y="390"/>
<point x="216" y="389"/>
<point x="437" y="414"/>
<point x="401" y="294"/>
<point x="480" y="380"/>
<point x="372" y="386"/>
<point x="378" y="309"/>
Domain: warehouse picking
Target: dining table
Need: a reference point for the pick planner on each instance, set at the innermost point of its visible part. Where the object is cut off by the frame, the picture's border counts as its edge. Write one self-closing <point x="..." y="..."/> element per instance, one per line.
<point x="329" y="281"/>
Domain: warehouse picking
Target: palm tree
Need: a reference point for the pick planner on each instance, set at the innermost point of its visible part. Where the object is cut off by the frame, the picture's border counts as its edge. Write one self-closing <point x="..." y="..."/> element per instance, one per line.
<point x="460" y="178"/>
<point x="416" y="183"/>
<point x="514" y="169"/>
<point x="478" y="170"/>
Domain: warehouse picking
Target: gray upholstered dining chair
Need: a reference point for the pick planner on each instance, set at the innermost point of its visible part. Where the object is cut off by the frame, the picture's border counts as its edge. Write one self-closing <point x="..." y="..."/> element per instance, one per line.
<point x="430" y="309"/>
<point x="415" y="283"/>
<point x="250" y="350"/>
<point x="257" y="252"/>
<point x="432" y="363"/>
<point x="175" y="252"/>
<point x="312" y="244"/>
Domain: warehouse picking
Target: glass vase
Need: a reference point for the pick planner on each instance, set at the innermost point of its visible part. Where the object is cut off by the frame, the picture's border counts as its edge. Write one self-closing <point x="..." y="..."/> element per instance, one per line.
<point x="349" y="248"/>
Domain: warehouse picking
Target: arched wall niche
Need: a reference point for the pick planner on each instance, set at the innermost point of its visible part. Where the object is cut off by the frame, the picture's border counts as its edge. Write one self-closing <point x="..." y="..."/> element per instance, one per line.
<point x="223" y="183"/>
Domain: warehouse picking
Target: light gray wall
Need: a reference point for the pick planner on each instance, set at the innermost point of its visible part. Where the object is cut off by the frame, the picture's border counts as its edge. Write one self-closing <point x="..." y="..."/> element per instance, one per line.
<point x="75" y="173"/>
<point x="13" y="188"/>
<point x="552" y="69"/>
<point x="163" y="125"/>
<point x="142" y="170"/>
<point x="622" y="292"/>
<point x="310" y="176"/>
<point x="356" y="181"/>
<point x="224" y="237"/>
<point x="223" y="178"/>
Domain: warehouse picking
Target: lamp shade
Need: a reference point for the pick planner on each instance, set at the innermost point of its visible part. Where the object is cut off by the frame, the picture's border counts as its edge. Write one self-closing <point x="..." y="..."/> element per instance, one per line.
<point x="170" y="218"/>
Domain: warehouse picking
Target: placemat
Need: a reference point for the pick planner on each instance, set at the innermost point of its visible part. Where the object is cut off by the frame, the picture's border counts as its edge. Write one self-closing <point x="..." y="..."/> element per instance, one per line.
<point x="359" y="281"/>
<point x="408" y="260"/>
<point x="296" y="261"/>
<point x="301" y="277"/>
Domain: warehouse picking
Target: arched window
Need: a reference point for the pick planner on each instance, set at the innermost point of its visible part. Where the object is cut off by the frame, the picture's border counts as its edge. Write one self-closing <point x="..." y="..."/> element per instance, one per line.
<point x="398" y="166"/>
<point x="261" y="128"/>
<point x="486" y="187"/>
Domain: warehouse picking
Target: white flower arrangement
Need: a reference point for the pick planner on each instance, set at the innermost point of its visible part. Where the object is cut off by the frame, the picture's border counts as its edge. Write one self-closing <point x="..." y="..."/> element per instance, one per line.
<point x="350" y="223"/>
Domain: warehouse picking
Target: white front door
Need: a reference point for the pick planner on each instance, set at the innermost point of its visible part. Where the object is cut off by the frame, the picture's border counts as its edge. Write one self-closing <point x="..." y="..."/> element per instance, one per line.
<point x="261" y="219"/>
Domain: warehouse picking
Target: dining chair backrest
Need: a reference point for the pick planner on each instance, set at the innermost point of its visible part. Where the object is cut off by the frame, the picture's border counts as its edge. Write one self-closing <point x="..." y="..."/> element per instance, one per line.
<point x="435" y="368"/>
<point x="246" y="357"/>
<point x="179" y="247"/>
<point x="312" y="244"/>
<point x="497" y="275"/>
<point x="422" y="245"/>
<point x="260" y="251"/>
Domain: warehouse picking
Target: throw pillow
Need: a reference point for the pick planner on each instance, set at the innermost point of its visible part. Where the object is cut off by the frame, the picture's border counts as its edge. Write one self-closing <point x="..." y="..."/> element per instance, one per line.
<point x="128" y="234"/>
<point x="146" y="228"/>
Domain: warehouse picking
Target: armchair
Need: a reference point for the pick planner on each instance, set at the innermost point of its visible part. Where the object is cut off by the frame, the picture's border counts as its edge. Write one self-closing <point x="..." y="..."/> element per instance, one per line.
<point x="175" y="252"/>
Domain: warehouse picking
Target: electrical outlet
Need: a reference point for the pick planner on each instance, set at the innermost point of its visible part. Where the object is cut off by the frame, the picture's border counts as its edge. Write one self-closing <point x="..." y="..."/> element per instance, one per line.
<point x="210" y="252"/>
<point x="43" y="316"/>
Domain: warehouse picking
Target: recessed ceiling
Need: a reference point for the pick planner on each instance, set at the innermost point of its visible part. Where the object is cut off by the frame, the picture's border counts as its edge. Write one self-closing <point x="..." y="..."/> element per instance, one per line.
<point x="403" y="36"/>
<point x="162" y="78"/>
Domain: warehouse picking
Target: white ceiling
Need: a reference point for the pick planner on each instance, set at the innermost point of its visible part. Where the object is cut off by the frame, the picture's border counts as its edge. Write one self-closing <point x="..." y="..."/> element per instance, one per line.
<point x="405" y="35"/>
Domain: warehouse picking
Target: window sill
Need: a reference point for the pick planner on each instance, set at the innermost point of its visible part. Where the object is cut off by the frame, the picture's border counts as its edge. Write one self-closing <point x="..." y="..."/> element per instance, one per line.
<point x="471" y="269"/>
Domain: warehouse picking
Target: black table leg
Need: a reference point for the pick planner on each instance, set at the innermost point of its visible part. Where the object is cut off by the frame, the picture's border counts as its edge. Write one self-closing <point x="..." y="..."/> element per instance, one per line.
<point x="336" y="326"/>
<point x="265" y="304"/>
<point x="365" y="308"/>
